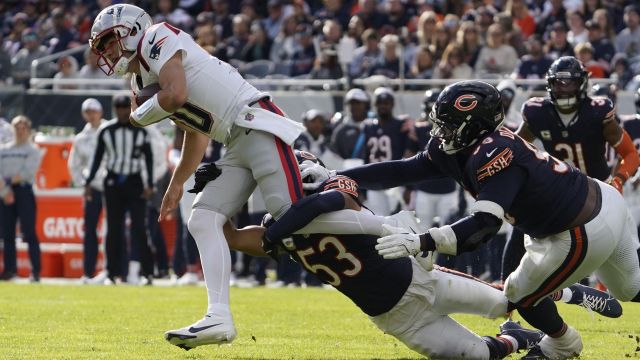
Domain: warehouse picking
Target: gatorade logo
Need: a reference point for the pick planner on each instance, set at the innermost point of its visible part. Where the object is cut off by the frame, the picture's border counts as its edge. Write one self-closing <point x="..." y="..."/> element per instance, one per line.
<point x="466" y="102"/>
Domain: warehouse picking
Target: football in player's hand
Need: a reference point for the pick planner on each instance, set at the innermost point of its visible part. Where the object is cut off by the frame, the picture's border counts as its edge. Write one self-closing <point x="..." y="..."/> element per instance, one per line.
<point x="146" y="93"/>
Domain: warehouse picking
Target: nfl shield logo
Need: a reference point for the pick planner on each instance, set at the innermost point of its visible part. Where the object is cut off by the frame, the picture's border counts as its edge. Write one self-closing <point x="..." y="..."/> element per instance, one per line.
<point x="248" y="117"/>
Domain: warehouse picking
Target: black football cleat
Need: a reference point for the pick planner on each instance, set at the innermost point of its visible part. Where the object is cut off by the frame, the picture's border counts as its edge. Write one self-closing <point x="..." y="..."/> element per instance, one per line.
<point x="595" y="300"/>
<point x="527" y="338"/>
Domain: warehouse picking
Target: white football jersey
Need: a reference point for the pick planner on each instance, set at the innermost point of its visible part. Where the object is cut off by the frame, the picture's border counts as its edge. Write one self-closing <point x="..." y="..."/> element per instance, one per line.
<point x="217" y="92"/>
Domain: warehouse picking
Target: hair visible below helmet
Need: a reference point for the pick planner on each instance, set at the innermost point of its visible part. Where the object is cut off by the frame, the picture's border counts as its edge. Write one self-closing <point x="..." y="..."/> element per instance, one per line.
<point x="565" y="71"/>
<point x="430" y="97"/>
<point x="127" y="25"/>
<point x="464" y="112"/>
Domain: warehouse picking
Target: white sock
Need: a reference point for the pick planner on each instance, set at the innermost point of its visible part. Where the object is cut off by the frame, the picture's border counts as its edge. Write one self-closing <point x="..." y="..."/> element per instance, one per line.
<point x="566" y="295"/>
<point x="206" y="228"/>
<point x="345" y="222"/>
<point x="134" y="268"/>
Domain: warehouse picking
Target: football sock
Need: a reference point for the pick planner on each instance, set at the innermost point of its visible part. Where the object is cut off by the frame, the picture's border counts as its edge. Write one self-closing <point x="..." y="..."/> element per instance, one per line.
<point x="500" y="346"/>
<point x="568" y="295"/>
<point x="543" y="316"/>
<point x="206" y="228"/>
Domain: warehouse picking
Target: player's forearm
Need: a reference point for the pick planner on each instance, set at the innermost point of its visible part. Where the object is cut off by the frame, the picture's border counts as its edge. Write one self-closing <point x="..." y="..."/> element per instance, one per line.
<point x="388" y="174"/>
<point x="193" y="149"/>
<point x="248" y="239"/>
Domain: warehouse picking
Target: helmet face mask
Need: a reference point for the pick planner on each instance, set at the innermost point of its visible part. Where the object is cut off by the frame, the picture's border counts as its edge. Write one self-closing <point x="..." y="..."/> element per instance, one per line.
<point x="463" y="113"/>
<point x="116" y="31"/>
<point x="567" y="83"/>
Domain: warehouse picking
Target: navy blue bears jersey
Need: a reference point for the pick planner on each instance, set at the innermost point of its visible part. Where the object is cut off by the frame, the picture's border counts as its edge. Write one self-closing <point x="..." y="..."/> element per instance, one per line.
<point x="351" y="264"/>
<point x="384" y="142"/>
<point x="540" y="194"/>
<point x="443" y="185"/>
<point x="581" y="143"/>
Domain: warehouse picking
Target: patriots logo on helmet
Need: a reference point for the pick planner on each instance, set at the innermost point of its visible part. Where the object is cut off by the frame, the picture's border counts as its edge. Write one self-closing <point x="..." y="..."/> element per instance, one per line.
<point x="466" y="102"/>
<point x="155" y="49"/>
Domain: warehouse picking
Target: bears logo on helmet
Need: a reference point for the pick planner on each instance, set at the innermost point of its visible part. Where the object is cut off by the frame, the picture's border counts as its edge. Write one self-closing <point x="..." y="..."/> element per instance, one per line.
<point x="469" y="100"/>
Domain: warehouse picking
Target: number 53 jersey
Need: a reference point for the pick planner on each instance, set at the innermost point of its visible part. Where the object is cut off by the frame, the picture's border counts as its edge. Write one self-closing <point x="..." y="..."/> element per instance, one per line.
<point x="579" y="143"/>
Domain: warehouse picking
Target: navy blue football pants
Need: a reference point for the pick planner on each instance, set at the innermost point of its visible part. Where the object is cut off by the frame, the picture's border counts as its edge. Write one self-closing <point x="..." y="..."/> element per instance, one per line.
<point x="92" y="209"/>
<point x="24" y="210"/>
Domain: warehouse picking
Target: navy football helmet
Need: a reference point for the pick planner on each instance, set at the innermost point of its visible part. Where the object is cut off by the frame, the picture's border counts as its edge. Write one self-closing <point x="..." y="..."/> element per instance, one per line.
<point x="567" y="82"/>
<point x="464" y="112"/>
<point x="430" y="97"/>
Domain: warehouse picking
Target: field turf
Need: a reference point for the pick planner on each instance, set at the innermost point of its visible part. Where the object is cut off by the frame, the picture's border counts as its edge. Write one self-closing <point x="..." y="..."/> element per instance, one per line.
<point x="122" y="322"/>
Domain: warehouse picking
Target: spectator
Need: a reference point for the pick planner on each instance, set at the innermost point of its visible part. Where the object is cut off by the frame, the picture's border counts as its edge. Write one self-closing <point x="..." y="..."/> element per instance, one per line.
<point x="5" y="63"/>
<point x="356" y="29"/>
<point x="81" y="21"/>
<point x="584" y="53"/>
<point x="6" y="135"/>
<point x="168" y="11"/>
<point x="222" y="17"/>
<point x="558" y="46"/>
<point x="90" y="70"/>
<point x="440" y="40"/>
<point x="423" y="64"/>
<point x="259" y="45"/>
<point x="366" y="55"/>
<point x="628" y="40"/>
<point x="14" y="42"/>
<point x="554" y="12"/>
<point x="621" y="71"/>
<point x="67" y="69"/>
<point x="496" y="59"/>
<point x="312" y="139"/>
<point x="84" y="145"/>
<point x="60" y="37"/>
<point x="331" y="34"/>
<point x="468" y="38"/>
<point x="327" y="66"/>
<point x="535" y="64"/>
<point x="452" y="65"/>
<point x="285" y="44"/>
<point x="336" y="10"/>
<point x="389" y="64"/>
<point x="512" y="34"/>
<point x="601" y="17"/>
<point x="603" y="49"/>
<point x="19" y="162"/>
<point x="248" y="8"/>
<point x="305" y="55"/>
<point x="589" y="7"/>
<point x="370" y="15"/>
<point x="518" y="11"/>
<point x="240" y="37"/>
<point x="273" y="22"/>
<point x="207" y="37"/>
<point x="397" y="17"/>
<point x="578" y="33"/>
<point x="123" y="189"/>
<point x="484" y="19"/>
<point x="347" y="141"/>
<point x="21" y="63"/>
<point x="426" y="27"/>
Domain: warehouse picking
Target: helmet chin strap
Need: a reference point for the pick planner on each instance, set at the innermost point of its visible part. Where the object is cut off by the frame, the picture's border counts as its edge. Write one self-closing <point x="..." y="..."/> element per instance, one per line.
<point x="122" y="66"/>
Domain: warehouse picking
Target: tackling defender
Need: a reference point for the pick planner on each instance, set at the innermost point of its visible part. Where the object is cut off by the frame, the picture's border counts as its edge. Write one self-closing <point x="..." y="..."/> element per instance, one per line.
<point x="576" y="225"/>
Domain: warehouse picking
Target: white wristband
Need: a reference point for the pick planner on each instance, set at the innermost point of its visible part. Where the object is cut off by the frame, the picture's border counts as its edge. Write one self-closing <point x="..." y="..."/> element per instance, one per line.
<point x="150" y="112"/>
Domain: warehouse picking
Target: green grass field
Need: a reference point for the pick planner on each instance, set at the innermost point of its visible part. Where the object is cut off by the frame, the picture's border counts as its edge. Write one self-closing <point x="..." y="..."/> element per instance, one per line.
<point x="86" y="322"/>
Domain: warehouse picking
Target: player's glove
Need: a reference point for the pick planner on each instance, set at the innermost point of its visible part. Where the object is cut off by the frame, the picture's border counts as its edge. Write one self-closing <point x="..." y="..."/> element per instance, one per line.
<point x="313" y="175"/>
<point x="399" y="243"/>
<point x="617" y="182"/>
<point x="204" y="174"/>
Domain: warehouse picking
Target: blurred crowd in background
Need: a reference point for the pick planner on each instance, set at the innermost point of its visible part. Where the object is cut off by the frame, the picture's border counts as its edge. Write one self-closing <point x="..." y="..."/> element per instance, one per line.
<point x="329" y="39"/>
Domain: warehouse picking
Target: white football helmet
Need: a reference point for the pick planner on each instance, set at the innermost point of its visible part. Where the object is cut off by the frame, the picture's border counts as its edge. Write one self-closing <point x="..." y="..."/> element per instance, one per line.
<point x="116" y="29"/>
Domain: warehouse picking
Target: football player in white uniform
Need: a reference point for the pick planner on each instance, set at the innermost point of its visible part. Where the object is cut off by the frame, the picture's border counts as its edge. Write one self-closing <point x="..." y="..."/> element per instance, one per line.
<point x="209" y="100"/>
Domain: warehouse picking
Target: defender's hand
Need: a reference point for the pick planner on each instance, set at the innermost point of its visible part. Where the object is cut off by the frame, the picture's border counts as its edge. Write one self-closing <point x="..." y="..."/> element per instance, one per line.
<point x="398" y="244"/>
<point x="317" y="173"/>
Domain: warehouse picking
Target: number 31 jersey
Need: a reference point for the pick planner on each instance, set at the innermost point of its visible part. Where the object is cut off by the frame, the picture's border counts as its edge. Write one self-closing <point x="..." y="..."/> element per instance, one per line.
<point x="216" y="91"/>
<point x="581" y="143"/>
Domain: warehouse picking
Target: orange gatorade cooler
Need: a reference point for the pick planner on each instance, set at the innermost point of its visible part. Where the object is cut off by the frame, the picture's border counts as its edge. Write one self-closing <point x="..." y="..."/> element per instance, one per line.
<point x="53" y="172"/>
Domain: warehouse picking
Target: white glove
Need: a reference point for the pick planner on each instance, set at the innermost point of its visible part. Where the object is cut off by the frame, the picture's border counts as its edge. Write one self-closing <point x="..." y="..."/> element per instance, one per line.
<point x="425" y="262"/>
<point x="316" y="173"/>
<point x="398" y="244"/>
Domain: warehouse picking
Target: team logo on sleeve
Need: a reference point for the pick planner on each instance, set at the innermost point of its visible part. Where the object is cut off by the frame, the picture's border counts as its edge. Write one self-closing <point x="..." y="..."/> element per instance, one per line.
<point x="495" y="165"/>
<point x="155" y="49"/>
<point x="466" y="102"/>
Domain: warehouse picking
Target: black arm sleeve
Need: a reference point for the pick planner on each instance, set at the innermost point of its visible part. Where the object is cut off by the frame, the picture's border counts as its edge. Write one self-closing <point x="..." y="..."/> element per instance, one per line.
<point x="302" y="212"/>
<point x="475" y="229"/>
<point x="97" y="158"/>
<point x="389" y="174"/>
